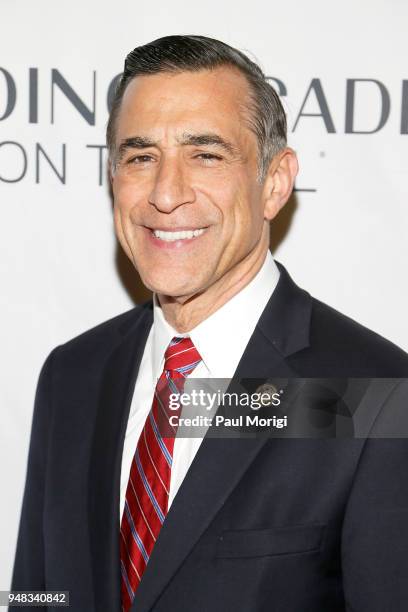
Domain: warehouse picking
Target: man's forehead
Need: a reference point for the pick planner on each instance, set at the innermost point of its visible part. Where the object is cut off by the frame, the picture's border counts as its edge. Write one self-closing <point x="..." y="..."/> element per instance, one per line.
<point x="225" y="85"/>
<point x="200" y="102"/>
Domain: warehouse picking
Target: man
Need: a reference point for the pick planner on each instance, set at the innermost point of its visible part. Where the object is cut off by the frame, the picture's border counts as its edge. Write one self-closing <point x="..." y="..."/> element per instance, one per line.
<point x="125" y="518"/>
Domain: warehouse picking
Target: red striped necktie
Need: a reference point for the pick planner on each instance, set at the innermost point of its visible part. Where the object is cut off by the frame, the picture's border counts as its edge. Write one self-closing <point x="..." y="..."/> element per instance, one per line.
<point x="147" y="493"/>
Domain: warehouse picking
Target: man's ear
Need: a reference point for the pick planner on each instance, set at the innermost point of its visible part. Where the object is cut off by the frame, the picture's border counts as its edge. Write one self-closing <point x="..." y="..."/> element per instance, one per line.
<point x="279" y="182"/>
<point x="110" y="172"/>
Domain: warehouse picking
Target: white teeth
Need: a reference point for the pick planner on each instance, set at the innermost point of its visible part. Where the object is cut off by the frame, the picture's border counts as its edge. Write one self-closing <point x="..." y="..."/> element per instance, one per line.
<point x="169" y="236"/>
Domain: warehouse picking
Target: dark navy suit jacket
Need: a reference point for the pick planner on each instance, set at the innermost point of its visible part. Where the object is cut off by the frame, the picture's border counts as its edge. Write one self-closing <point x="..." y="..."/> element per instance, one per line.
<point x="277" y="525"/>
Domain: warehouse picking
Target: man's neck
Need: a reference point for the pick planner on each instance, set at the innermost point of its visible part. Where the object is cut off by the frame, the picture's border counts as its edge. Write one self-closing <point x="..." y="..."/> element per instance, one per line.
<point x="184" y="315"/>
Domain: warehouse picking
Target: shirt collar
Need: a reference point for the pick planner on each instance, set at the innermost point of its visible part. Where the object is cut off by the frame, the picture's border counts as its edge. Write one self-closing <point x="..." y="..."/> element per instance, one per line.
<point x="221" y="338"/>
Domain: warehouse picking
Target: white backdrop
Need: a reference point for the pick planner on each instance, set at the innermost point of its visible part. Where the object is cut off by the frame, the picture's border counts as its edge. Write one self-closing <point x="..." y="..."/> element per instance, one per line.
<point x="343" y="239"/>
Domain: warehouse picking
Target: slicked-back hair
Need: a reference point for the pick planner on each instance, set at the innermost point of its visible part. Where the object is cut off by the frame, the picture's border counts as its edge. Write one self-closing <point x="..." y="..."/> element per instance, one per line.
<point x="265" y="114"/>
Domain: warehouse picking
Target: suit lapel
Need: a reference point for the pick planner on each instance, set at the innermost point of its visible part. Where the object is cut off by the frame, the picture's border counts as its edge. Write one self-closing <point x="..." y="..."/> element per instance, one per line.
<point x="220" y="463"/>
<point x="106" y="455"/>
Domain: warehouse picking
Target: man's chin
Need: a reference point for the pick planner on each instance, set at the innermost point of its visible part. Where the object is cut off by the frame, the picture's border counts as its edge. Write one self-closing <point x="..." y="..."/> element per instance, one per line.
<point x="178" y="290"/>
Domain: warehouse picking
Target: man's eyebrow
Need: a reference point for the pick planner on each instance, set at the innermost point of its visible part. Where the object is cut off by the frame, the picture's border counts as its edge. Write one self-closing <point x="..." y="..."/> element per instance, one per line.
<point x="135" y="142"/>
<point x="198" y="140"/>
<point x="208" y="138"/>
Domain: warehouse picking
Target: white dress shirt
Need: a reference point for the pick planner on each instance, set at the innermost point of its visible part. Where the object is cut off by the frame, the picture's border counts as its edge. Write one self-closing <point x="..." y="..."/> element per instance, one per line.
<point x="220" y="339"/>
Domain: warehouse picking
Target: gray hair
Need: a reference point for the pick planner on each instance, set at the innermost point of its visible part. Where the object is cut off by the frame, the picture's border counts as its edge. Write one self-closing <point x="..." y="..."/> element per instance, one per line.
<point x="266" y="117"/>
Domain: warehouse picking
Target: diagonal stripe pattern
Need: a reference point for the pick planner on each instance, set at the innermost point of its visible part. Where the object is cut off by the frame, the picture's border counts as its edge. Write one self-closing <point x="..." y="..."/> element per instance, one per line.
<point x="148" y="488"/>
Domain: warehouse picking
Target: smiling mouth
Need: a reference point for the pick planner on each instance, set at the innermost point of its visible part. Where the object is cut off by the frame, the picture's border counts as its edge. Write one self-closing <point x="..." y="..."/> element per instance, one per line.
<point x="171" y="236"/>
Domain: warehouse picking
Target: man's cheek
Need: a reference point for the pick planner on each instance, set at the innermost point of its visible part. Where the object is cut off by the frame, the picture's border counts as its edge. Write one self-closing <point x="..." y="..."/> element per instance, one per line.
<point x="125" y="190"/>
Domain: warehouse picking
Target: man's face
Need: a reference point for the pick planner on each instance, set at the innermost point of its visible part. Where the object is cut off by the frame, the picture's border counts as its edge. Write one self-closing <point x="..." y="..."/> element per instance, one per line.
<point x="186" y="162"/>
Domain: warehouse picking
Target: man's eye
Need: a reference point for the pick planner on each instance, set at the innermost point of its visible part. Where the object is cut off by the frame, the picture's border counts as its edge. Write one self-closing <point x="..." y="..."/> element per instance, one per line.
<point x="208" y="156"/>
<point x="140" y="159"/>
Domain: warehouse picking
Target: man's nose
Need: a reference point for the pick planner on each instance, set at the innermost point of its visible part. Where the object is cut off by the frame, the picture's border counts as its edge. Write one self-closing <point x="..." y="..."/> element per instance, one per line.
<point x="171" y="187"/>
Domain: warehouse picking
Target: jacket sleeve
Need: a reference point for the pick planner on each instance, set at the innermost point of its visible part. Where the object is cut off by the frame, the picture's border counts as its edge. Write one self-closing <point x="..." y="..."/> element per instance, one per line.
<point x="28" y="573"/>
<point x="375" y="528"/>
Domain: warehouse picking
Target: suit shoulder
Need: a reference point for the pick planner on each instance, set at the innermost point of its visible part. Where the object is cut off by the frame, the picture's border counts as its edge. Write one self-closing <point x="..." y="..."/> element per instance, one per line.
<point x="353" y="346"/>
<point x="105" y="334"/>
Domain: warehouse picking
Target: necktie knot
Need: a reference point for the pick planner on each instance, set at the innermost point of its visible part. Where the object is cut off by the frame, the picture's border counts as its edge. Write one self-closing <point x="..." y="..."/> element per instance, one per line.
<point x="181" y="356"/>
